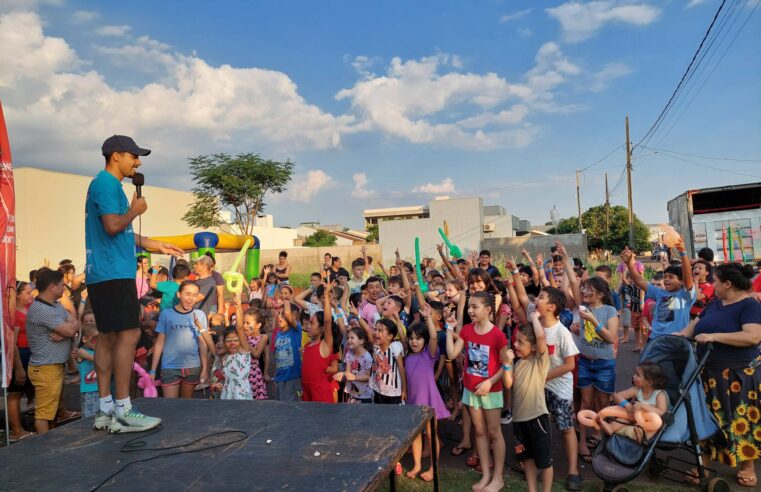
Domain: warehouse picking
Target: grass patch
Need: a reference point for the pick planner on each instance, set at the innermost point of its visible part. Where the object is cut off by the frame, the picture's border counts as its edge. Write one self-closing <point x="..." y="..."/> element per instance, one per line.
<point x="453" y="480"/>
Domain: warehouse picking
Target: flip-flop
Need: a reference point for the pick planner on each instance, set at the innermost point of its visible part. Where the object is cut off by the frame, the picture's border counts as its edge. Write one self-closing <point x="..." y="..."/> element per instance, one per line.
<point x="586" y="457"/>
<point x="22" y="437"/>
<point x="592" y="441"/>
<point x="473" y="461"/>
<point x="458" y="450"/>
<point x="72" y="415"/>
<point x="746" y="480"/>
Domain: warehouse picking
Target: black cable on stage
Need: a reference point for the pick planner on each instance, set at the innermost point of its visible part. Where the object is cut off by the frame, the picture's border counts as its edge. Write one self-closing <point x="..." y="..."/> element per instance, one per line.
<point x="134" y="445"/>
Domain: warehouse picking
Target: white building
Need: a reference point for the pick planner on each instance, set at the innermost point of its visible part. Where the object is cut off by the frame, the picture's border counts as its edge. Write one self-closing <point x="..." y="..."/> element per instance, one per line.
<point x="468" y="220"/>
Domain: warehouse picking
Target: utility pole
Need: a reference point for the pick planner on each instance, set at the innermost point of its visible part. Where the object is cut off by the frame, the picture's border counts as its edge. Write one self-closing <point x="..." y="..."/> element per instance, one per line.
<point x="607" y="208"/>
<point x="629" y="184"/>
<point x="578" y="200"/>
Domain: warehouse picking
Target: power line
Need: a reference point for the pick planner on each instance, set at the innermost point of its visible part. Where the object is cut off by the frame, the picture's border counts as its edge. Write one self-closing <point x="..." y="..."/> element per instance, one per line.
<point x="702" y="156"/>
<point x="723" y="36"/>
<point x="730" y="171"/>
<point x="670" y="102"/>
<point x="599" y="161"/>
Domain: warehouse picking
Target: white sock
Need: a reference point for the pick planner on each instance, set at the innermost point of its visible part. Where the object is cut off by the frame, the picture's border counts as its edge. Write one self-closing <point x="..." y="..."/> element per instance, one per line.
<point x="106" y="404"/>
<point x="123" y="406"/>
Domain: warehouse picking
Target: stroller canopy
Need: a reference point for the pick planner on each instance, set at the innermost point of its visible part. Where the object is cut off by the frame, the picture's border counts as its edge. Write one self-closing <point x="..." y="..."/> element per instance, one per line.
<point x="677" y="359"/>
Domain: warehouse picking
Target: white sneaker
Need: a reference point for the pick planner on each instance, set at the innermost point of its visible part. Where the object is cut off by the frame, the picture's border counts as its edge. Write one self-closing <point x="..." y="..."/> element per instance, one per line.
<point x="102" y="420"/>
<point x="507" y="419"/>
<point x="132" y="421"/>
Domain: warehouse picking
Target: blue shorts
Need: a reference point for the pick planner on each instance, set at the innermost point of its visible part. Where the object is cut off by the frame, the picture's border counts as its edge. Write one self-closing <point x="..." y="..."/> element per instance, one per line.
<point x="598" y="373"/>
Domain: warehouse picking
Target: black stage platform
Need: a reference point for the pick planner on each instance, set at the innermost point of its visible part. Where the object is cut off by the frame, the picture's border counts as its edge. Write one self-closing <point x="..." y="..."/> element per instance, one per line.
<point x="286" y="446"/>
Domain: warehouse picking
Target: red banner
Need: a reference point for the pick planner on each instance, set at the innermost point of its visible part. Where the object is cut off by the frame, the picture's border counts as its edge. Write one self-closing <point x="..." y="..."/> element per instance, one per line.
<point x="7" y="251"/>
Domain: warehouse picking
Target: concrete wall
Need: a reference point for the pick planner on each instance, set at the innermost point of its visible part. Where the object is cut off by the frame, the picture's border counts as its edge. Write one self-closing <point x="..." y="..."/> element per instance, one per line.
<point x="575" y="244"/>
<point x="464" y="217"/>
<point x="50" y="217"/>
<point x="307" y="260"/>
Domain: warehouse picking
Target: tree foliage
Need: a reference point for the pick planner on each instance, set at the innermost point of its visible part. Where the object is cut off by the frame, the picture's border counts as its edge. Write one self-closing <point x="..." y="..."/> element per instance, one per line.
<point x="372" y="234"/>
<point x="593" y="221"/>
<point x="320" y="238"/>
<point x="237" y="184"/>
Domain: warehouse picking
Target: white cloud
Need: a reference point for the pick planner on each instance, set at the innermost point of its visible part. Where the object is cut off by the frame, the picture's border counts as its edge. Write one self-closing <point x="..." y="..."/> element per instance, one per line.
<point x="192" y="108"/>
<point x="414" y="101"/>
<point x="303" y="188"/>
<point x="610" y="72"/>
<point x="446" y="186"/>
<point x="514" y="15"/>
<point x="525" y="32"/>
<point x="580" y="21"/>
<point x="114" y="31"/>
<point x="82" y="16"/>
<point x="19" y="5"/>
<point x="360" y="187"/>
<point x="145" y="54"/>
<point x="694" y="3"/>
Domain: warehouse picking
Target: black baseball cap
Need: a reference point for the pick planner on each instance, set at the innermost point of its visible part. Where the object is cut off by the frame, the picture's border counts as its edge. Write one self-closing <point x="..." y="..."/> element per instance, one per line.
<point x="122" y="143"/>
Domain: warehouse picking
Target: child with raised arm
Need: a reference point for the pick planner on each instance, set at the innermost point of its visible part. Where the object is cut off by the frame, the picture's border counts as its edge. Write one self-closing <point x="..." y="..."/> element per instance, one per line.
<point x="236" y="363"/>
<point x="531" y="420"/>
<point x="482" y="380"/>
<point x="253" y="320"/>
<point x="673" y="302"/>
<point x="320" y="358"/>
<point x="288" y="355"/>
<point x="421" y="385"/>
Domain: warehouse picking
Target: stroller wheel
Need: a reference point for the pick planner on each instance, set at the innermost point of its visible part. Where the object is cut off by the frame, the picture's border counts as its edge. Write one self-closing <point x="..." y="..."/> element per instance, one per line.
<point x="717" y="485"/>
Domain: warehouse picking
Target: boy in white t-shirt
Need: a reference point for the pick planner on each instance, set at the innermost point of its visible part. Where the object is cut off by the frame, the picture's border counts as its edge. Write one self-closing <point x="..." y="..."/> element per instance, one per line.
<point x="559" y="388"/>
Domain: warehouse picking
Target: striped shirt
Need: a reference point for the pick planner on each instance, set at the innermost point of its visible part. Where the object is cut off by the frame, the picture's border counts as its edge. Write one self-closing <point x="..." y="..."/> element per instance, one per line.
<point x="386" y="378"/>
<point x="41" y="318"/>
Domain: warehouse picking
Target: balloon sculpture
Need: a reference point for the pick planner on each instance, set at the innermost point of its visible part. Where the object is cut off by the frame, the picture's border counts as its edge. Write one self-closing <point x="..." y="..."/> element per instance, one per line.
<point x="453" y="249"/>
<point x="650" y="422"/>
<point x="420" y="280"/>
<point x="234" y="281"/>
<point x="145" y="382"/>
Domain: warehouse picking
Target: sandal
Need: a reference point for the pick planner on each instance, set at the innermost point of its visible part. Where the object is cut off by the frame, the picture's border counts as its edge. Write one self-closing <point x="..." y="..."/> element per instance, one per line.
<point x="586" y="456"/>
<point x="72" y="415"/>
<point x="458" y="450"/>
<point x="746" y="479"/>
<point x="473" y="461"/>
<point x="592" y="441"/>
<point x="22" y="437"/>
<point x="693" y="476"/>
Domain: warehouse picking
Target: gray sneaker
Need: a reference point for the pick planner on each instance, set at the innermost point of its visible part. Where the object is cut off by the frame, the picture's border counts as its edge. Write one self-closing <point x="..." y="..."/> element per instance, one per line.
<point x="102" y="420"/>
<point x="132" y="421"/>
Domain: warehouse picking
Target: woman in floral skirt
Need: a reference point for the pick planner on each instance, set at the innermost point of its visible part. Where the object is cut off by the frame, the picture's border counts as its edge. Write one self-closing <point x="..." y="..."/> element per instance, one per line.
<point x="732" y="375"/>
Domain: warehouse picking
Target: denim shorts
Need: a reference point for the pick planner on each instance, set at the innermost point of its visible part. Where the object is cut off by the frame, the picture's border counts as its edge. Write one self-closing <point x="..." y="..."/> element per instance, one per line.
<point x="598" y="373"/>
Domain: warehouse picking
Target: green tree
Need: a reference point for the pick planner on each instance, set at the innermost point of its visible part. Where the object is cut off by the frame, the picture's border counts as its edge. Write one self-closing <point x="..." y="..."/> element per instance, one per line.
<point x="593" y="221"/>
<point x="372" y="234"/>
<point x="320" y="238"/>
<point x="237" y="184"/>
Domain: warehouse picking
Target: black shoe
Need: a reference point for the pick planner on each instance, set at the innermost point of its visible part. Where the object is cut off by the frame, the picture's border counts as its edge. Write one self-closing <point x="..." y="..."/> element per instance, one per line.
<point x="573" y="483"/>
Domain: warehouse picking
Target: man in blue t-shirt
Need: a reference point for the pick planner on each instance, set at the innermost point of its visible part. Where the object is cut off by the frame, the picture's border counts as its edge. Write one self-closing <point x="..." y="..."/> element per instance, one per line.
<point x="672" y="303"/>
<point x="110" y="249"/>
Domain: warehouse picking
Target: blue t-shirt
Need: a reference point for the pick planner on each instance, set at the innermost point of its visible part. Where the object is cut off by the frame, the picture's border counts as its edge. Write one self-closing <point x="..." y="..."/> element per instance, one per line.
<point x="672" y="309"/>
<point x="168" y="291"/>
<point x="719" y="318"/>
<point x="181" y="343"/>
<point x="88" y="380"/>
<point x="108" y="257"/>
<point x="287" y="355"/>
<point x="616" y="297"/>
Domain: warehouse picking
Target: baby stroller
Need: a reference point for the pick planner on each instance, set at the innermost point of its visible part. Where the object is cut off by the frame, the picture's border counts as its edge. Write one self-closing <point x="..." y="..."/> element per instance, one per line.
<point x="617" y="459"/>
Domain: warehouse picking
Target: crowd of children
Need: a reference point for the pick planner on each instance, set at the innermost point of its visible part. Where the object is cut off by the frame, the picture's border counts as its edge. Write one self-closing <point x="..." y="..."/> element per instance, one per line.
<point x="529" y="346"/>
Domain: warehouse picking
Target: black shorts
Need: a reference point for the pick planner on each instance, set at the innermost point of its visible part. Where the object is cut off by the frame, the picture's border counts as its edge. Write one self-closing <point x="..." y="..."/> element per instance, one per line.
<point x="27" y="388"/>
<point x="532" y="441"/>
<point x="114" y="304"/>
<point x="380" y="399"/>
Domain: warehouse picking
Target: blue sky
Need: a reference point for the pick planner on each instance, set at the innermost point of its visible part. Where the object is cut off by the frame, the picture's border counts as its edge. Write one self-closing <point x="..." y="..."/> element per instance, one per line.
<point x="391" y="103"/>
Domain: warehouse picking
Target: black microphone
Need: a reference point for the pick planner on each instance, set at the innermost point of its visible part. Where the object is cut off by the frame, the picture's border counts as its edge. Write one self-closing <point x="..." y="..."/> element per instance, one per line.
<point x="138" y="180"/>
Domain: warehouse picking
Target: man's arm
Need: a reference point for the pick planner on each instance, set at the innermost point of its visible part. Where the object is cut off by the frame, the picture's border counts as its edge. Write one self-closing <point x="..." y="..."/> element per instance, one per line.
<point x="68" y="328"/>
<point x="115" y="223"/>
